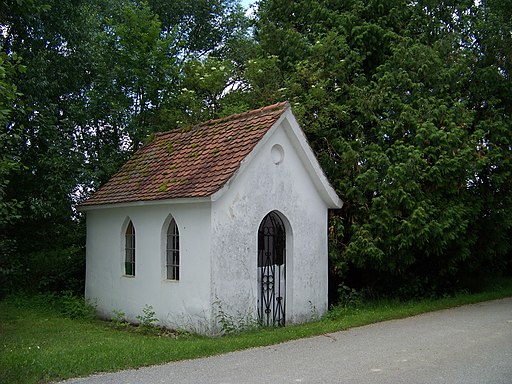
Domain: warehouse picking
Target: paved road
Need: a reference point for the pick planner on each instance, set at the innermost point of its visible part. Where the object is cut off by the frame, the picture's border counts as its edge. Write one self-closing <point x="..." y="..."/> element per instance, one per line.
<point x="470" y="344"/>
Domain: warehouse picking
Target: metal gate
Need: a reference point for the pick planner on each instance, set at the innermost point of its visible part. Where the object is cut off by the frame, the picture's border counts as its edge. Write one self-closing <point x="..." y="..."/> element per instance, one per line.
<point x="272" y="271"/>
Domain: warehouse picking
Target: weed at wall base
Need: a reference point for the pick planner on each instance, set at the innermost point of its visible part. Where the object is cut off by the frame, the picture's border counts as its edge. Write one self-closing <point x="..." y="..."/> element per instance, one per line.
<point x="234" y="323"/>
<point x="147" y="321"/>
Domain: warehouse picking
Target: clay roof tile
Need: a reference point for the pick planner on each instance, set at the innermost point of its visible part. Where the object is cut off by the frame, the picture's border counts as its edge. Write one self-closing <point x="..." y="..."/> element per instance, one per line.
<point x="194" y="162"/>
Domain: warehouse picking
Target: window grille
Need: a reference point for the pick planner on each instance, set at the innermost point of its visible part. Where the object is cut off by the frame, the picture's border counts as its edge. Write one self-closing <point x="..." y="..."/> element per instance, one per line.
<point x="272" y="271"/>
<point x="129" y="250"/>
<point x="172" y="263"/>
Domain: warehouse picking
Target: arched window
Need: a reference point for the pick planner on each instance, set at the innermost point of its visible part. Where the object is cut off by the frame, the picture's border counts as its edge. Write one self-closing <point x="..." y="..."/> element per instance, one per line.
<point x="172" y="249"/>
<point x="129" y="250"/>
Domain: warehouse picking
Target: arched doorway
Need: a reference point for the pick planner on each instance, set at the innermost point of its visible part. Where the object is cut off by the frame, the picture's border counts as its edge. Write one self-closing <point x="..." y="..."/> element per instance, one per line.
<point x="272" y="271"/>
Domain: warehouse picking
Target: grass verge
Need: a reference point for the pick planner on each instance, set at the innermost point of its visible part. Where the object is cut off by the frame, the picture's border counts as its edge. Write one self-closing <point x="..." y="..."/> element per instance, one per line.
<point x="38" y="344"/>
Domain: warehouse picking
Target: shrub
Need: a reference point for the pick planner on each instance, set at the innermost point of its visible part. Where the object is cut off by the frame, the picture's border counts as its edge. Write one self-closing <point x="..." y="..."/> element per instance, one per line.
<point x="119" y="320"/>
<point x="76" y="307"/>
<point x="147" y="320"/>
<point x="48" y="271"/>
<point x="348" y="297"/>
<point x="60" y="270"/>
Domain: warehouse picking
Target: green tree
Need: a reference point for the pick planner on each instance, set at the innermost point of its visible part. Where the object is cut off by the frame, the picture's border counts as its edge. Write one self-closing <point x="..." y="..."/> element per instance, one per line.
<point x="48" y="36"/>
<point x="213" y="48"/>
<point x="391" y="95"/>
<point x="9" y="164"/>
<point x="133" y="69"/>
<point x="100" y="77"/>
<point x="490" y="97"/>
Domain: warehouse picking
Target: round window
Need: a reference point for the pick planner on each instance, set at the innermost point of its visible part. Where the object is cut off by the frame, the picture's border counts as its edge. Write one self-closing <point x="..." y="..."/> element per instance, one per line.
<point x="277" y="153"/>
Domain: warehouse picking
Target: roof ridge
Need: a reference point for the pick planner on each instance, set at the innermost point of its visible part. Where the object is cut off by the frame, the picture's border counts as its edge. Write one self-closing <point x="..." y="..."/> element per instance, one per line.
<point x="233" y="117"/>
<point x="238" y="116"/>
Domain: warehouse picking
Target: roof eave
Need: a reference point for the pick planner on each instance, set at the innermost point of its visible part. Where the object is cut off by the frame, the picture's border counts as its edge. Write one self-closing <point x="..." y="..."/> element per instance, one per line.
<point x="180" y="200"/>
<point x="302" y="147"/>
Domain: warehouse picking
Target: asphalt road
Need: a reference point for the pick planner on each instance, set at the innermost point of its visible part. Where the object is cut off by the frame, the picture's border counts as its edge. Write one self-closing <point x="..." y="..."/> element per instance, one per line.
<point x="469" y="344"/>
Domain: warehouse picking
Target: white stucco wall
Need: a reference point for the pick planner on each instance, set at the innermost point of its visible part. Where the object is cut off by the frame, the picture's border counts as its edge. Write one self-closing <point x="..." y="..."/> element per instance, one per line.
<point x="184" y="303"/>
<point x="260" y="187"/>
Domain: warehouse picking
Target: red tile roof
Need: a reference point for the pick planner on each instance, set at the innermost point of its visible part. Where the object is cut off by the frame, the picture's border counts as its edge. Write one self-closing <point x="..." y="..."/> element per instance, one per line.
<point x="194" y="162"/>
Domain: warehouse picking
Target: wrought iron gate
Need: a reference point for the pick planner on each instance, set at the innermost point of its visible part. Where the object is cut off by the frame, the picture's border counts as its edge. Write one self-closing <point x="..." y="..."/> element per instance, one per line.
<point x="272" y="271"/>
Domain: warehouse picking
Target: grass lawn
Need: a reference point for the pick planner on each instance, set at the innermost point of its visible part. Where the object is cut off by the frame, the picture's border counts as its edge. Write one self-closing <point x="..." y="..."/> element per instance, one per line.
<point x="38" y="344"/>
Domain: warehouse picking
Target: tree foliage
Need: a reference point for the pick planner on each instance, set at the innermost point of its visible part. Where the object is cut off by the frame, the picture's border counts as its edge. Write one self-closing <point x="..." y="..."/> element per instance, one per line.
<point x="9" y="163"/>
<point x="408" y="105"/>
<point x="100" y="77"/>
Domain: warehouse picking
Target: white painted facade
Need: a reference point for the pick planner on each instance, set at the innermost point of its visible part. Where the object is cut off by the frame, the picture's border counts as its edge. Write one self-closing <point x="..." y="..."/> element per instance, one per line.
<point x="219" y="242"/>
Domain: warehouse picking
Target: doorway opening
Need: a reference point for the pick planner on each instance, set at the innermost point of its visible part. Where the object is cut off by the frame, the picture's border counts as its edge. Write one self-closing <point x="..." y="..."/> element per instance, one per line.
<point x="272" y="271"/>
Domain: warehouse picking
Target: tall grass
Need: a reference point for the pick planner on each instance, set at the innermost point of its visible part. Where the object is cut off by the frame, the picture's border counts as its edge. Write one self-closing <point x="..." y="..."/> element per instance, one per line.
<point x="48" y="339"/>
